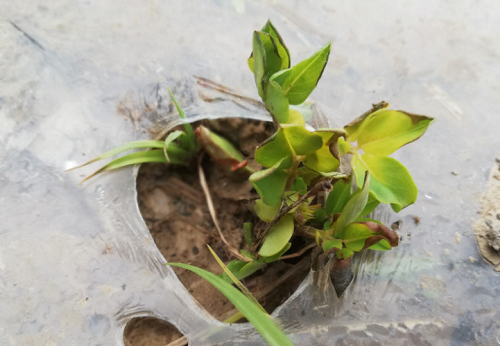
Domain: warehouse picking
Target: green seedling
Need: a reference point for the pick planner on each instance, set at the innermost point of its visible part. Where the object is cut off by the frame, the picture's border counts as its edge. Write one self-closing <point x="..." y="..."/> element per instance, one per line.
<point x="302" y="190"/>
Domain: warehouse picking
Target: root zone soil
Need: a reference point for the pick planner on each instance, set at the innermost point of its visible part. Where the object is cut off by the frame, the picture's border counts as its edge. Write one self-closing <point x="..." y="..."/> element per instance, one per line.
<point x="174" y="208"/>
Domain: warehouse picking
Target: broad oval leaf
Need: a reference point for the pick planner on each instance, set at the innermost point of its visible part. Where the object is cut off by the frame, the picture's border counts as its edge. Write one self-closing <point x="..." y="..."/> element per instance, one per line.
<point x="260" y="320"/>
<point x="273" y="150"/>
<point x="389" y="130"/>
<point x="355" y="235"/>
<point x="353" y="207"/>
<point x="322" y="160"/>
<point x="264" y="212"/>
<point x="295" y="118"/>
<point x="270" y="183"/>
<point x="391" y="183"/>
<point x="276" y="102"/>
<point x="299" y="185"/>
<point x="299" y="81"/>
<point x="302" y="141"/>
<point x="328" y="244"/>
<point x="355" y="127"/>
<point x="278" y="237"/>
<point x="278" y="255"/>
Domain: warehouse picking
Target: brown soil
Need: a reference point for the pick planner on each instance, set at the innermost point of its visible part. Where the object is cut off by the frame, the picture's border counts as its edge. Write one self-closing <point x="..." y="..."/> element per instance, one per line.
<point x="174" y="208"/>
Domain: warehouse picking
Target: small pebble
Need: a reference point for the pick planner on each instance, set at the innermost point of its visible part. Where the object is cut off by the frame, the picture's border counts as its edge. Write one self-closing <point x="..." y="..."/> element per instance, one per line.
<point x="472" y="259"/>
<point x="454" y="172"/>
<point x="458" y="237"/>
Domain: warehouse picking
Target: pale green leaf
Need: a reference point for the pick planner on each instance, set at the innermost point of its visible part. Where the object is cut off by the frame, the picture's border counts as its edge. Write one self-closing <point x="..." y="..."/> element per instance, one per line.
<point x="354" y="236"/>
<point x="322" y="160"/>
<point x="345" y="253"/>
<point x="328" y="244"/>
<point x="278" y="255"/>
<point x="388" y="130"/>
<point x="278" y="236"/>
<point x="391" y="182"/>
<point x="265" y="212"/>
<point x="382" y="245"/>
<point x="302" y="141"/>
<point x="353" y="207"/>
<point x="283" y="52"/>
<point x="299" y="81"/>
<point x="295" y="118"/>
<point x="260" y="320"/>
<point x="355" y="127"/>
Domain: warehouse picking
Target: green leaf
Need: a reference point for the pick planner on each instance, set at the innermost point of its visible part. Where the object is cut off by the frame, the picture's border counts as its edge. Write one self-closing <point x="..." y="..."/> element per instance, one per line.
<point x="235" y="280"/>
<point x="177" y="157"/>
<point x="276" y="102"/>
<point x="299" y="185"/>
<point x="259" y="63"/>
<point x="302" y="141"/>
<point x="275" y="149"/>
<point x="190" y="143"/>
<point x="370" y="205"/>
<point x="382" y="245"/>
<point x="265" y="212"/>
<point x="343" y="146"/>
<point x="277" y="237"/>
<point x="295" y="118"/>
<point x="125" y="147"/>
<point x="280" y="45"/>
<point x="328" y="244"/>
<point x="260" y="320"/>
<point x="249" y="268"/>
<point x="344" y="253"/>
<point x="283" y="52"/>
<point x="388" y="130"/>
<point x="338" y="197"/>
<point x="322" y="160"/>
<point x="299" y="81"/>
<point x="278" y="255"/>
<point x="248" y="233"/>
<point x="270" y="183"/>
<point x="248" y="255"/>
<point x="355" y="127"/>
<point x="234" y="266"/>
<point x="320" y="215"/>
<point x="355" y="235"/>
<point x="172" y="136"/>
<point x="391" y="181"/>
<point x="353" y="207"/>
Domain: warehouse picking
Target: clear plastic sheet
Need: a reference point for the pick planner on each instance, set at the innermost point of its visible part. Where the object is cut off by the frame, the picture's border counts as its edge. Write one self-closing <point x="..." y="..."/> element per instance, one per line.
<point x="78" y="78"/>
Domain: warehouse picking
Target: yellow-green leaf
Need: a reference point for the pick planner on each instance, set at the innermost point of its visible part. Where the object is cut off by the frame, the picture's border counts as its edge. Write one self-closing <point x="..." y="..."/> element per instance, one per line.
<point x="322" y="160"/>
<point x="276" y="102"/>
<point x="390" y="180"/>
<point x="302" y="141"/>
<point x="270" y="183"/>
<point x="278" y="237"/>
<point x="264" y="212"/>
<point x="388" y="130"/>
<point x="353" y="207"/>
<point x="354" y="236"/>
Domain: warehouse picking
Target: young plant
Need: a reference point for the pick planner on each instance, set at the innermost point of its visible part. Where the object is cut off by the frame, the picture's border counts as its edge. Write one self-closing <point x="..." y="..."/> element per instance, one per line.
<point x="301" y="165"/>
<point x="302" y="191"/>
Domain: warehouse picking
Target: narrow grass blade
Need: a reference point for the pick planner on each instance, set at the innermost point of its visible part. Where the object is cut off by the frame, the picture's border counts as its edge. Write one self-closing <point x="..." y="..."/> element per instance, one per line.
<point x="125" y="147"/>
<point x="131" y="159"/>
<point x="237" y="282"/>
<point x="261" y="321"/>
<point x="191" y="142"/>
